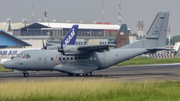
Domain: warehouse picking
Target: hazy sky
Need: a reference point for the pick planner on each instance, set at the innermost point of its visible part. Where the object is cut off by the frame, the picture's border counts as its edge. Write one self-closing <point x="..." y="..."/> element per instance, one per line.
<point x="91" y="10"/>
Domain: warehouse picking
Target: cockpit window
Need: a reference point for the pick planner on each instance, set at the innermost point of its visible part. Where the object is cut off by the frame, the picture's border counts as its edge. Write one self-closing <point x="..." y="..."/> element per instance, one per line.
<point x="20" y="55"/>
<point x="26" y="56"/>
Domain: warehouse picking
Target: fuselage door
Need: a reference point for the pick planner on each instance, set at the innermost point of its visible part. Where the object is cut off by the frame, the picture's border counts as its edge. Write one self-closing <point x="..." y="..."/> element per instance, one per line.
<point x="101" y="58"/>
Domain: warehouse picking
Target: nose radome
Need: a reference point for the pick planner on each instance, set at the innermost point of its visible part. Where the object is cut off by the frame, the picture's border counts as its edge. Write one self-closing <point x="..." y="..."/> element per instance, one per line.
<point x="7" y="64"/>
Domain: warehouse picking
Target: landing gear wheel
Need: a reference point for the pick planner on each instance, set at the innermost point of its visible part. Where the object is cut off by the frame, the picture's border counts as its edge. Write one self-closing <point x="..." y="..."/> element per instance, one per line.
<point x="26" y="74"/>
<point x="89" y="74"/>
<point x="79" y="75"/>
<point x="70" y="74"/>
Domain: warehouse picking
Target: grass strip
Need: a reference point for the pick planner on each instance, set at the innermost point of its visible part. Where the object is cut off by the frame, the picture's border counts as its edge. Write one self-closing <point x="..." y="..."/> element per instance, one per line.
<point x="2" y="69"/>
<point x="89" y="90"/>
<point x="147" y="60"/>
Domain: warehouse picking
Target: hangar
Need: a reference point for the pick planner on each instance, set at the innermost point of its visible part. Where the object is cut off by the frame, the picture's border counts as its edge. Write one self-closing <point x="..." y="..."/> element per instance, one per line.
<point x="61" y="29"/>
<point x="55" y="32"/>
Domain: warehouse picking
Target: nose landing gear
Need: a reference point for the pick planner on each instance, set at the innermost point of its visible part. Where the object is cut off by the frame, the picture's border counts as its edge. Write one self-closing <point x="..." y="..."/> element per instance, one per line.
<point x="26" y="74"/>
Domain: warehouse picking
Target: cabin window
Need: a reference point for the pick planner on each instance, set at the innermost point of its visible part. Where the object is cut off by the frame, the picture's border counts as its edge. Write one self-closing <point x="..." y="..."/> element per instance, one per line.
<point x="59" y="58"/>
<point x="26" y="56"/>
<point x="63" y="58"/>
<point x="75" y="58"/>
<point x="67" y="58"/>
<point x="90" y="58"/>
<point x="79" y="58"/>
<point x="51" y="58"/>
<point x="82" y="58"/>
<point x="87" y="58"/>
<point x="71" y="58"/>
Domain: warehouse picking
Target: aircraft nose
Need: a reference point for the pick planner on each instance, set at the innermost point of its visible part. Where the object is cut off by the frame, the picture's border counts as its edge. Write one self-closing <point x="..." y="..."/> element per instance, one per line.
<point x="8" y="64"/>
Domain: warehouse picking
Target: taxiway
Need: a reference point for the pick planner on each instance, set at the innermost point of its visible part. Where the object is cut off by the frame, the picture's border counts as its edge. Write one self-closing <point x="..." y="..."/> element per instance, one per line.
<point x="125" y="73"/>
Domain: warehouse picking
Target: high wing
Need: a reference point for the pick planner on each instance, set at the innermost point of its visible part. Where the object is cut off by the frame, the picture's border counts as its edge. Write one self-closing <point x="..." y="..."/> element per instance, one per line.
<point x="75" y="50"/>
<point x="95" y="47"/>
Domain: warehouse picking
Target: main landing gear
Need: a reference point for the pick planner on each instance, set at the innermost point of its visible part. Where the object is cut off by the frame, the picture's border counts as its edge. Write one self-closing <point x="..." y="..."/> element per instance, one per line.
<point x="88" y="74"/>
<point x="70" y="74"/>
<point x="83" y="74"/>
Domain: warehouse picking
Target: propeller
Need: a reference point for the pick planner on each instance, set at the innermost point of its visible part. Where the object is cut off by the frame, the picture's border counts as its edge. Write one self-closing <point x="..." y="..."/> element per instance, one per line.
<point x="61" y="49"/>
<point x="44" y="47"/>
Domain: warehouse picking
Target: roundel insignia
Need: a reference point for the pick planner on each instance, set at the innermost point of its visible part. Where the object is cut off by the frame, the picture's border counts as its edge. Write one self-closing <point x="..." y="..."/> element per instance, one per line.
<point x="116" y="55"/>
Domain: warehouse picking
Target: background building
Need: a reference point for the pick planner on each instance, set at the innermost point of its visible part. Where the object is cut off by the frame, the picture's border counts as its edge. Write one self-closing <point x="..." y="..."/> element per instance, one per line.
<point x="55" y="32"/>
<point x="52" y="32"/>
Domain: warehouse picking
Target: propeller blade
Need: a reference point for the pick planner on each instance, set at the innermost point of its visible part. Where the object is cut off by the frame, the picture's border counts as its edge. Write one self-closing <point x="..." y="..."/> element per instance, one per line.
<point x="61" y="49"/>
<point x="62" y="44"/>
<point x="44" y="47"/>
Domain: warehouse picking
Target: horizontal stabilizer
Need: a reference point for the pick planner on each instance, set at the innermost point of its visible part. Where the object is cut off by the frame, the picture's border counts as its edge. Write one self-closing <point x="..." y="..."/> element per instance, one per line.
<point x="157" y="49"/>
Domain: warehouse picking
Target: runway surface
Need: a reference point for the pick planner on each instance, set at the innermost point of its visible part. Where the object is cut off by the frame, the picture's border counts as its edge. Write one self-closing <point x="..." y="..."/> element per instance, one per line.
<point x="125" y="73"/>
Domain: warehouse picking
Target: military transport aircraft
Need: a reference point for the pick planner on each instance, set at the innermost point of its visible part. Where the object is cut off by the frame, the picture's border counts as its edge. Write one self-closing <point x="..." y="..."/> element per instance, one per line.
<point x="79" y="60"/>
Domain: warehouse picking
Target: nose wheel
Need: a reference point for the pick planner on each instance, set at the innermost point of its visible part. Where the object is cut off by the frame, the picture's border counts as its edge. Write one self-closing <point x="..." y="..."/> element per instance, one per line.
<point x="26" y="74"/>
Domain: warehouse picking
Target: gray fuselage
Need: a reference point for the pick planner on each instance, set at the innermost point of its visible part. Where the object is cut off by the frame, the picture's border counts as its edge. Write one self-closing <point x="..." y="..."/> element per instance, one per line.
<point x="48" y="59"/>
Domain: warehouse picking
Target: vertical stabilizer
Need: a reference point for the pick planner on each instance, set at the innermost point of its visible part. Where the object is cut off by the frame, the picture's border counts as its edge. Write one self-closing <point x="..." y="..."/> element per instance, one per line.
<point x="158" y="29"/>
<point x="70" y="37"/>
<point x="122" y="37"/>
<point x="156" y="36"/>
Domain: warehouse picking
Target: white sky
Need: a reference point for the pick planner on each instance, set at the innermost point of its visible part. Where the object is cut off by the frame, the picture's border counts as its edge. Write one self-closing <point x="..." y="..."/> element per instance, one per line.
<point x="91" y="10"/>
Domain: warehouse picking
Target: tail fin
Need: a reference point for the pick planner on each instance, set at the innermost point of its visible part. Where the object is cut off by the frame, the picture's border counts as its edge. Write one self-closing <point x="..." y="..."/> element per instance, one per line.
<point x="122" y="37"/>
<point x="156" y="36"/>
<point x="70" y="37"/>
<point x="158" y="29"/>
